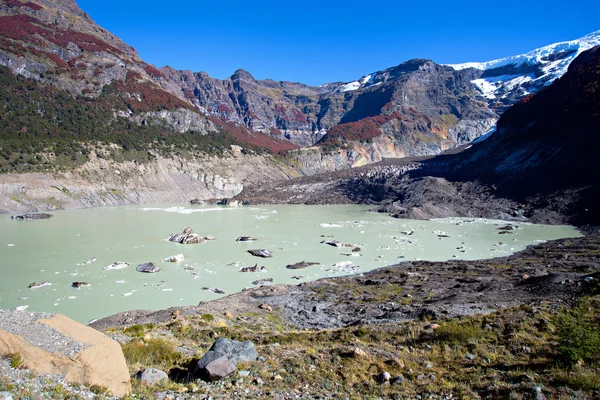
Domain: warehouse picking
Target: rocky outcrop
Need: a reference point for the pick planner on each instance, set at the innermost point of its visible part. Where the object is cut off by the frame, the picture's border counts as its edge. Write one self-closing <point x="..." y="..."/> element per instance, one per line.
<point x="102" y="182"/>
<point x="55" y="344"/>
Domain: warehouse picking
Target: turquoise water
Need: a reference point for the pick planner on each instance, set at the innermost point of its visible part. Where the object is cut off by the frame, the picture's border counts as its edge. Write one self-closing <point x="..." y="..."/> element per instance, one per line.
<point x="54" y="250"/>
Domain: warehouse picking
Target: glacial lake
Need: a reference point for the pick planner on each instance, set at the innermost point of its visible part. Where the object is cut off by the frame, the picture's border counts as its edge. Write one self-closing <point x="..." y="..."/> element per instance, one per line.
<point x="55" y="250"/>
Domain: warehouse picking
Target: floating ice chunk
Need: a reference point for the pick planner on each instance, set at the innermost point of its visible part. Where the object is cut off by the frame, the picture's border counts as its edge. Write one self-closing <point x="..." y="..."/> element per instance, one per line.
<point x="116" y="265"/>
<point x="91" y="260"/>
<point x="175" y="259"/>
<point x="127" y="294"/>
<point x="10" y="245"/>
<point x="328" y="225"/>
<point x="121" y="281"/>
<point x="168" y="290"/>
<point x="22" y="308"/>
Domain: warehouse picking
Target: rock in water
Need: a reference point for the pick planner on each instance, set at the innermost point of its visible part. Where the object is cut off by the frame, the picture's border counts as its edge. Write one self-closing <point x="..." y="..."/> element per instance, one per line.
<point x="197" y="201"/>
<point x="301" y="264"/>
<point x="32" y="216"/>
<point x="151" y="376"/>
<point x="245" y="239"/>
<point x="261" y="253"/>
<point x="55" y="344"/>
<point x="261" y="282"/>
<point x="147" y="267"/>
<point x="187" y="237"/>
<point x="35" y="285"/>
<point x="77" y="285"/>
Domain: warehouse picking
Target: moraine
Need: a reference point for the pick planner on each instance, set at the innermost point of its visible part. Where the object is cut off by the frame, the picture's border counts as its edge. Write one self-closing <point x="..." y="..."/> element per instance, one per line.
<point x="102" y="247"/>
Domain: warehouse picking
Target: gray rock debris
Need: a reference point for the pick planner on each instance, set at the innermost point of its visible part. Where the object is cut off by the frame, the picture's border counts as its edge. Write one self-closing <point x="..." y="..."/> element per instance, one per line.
<point x="151" y="376"/>
<point x="48" y="339"/>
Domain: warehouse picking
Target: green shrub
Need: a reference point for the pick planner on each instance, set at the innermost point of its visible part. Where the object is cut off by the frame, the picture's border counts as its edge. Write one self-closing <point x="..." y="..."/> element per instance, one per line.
<point x="208" y="317"/>
<point x="16" y="361"/>
<point x="135" y="330"/>
<point x="458" y="333"/>
<point x="578" y="334"/>
<point x="151" y="353"/>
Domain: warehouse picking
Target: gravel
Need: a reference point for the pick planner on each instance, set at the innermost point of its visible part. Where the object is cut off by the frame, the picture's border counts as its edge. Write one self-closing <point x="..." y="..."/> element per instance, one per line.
<point x="24" y="324"/>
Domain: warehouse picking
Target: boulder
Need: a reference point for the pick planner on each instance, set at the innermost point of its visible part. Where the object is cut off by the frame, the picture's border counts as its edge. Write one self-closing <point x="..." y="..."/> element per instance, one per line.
<point x="214" y="366"/>
<point x="222" y="358"/>
<point x="55" y="344"/>
<point x="149" y="268"/>
<point x="197" y="201"/>
<point x="151" y="376"/>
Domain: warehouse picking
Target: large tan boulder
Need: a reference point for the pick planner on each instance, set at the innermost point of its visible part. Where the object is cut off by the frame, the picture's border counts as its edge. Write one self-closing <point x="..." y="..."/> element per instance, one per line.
<point x="55" y="344"/>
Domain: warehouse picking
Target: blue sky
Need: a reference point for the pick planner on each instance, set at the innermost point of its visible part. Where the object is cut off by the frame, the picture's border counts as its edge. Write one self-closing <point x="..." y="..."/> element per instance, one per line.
<point x="316" y="42"/>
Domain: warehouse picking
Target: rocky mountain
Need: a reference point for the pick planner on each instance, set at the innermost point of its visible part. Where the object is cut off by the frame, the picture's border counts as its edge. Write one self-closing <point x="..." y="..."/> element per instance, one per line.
<point x="539" y="166"/>
<point x="416" y="108"/>
<point x="62" y="52"/>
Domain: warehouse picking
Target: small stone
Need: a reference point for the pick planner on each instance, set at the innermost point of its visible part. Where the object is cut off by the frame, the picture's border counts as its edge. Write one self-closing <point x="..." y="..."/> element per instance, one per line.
<point x="526" y="349"/>
<point x="259" y="381"/>
<point x="470" y="356"/>
<point x="151" y="376"/>
<point x="277" y="378"/>
<point x="6" y="396"/>
<point x="383" y="377"/>
<point x="432" y="326"/>
<point x="243" y="373"/>
<point x="262" y="359"/>
<point x="537" y="393"/>
<point x="358" y="353"/>
<point x="429" y="365"/>
<point x="264" y="306"/>
<point x="228" y="315"/>
<point x="397" y="381"/>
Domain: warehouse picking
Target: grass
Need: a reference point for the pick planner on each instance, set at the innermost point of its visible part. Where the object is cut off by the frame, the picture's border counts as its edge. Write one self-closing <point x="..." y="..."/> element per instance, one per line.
<point x="430" y="361"/>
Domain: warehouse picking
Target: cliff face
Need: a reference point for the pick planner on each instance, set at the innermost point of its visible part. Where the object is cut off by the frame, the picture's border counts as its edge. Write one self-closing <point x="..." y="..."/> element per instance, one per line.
<point x="305" y="115"/>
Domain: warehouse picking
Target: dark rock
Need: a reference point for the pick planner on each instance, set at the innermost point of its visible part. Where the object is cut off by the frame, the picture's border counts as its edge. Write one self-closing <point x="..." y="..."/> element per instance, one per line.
<point x="214" y="366"/>
<point x="147" y="267"/>
<point x="301" y="264"/>
<point x="236" y="351"/>
<point x="253" y="269"/>
<point x="77" y="285"/>
<point x="222" y="358"/>
<point x="151" y="376"/>
<point x="197" y="202"/>
<point x="245" y="239"/>
<point x="214" y="290"/>
<point x="397" y="381"/>
<point x="261" y="253"/>
<point x="383" y="377"/>
<point x="261" y="282"/>
<point x="32" y="216"/>
<point x="187" y="237"/>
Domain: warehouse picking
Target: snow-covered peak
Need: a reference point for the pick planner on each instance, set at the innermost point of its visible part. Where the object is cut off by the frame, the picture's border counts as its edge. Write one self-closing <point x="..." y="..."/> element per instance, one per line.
<point x="543" y="55"/>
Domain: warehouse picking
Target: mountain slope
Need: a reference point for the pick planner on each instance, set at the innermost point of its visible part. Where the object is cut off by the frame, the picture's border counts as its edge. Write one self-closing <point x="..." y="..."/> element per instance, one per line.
<point x="541" y="165"/>
<point x="508" y="79"/>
